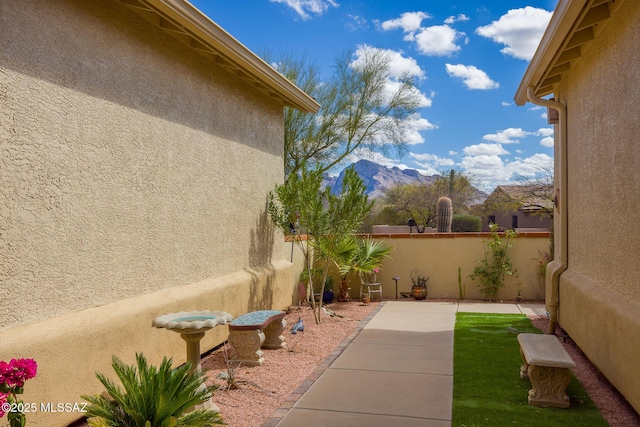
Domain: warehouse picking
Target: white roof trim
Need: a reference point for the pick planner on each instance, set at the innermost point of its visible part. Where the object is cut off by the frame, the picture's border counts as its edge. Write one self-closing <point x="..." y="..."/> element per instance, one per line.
<point x="574" y="24"/>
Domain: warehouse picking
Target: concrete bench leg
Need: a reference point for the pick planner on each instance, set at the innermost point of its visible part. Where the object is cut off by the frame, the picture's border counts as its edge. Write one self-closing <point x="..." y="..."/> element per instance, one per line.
<point x="245" y="347"/>
<point x="273" y="339"/>
<point x="524" y="369"/>
<point x="549" y="386"/>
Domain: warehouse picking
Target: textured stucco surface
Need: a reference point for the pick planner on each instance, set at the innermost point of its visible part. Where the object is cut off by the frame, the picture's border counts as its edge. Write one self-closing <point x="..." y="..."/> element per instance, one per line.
<point x="438" y="256"/>
<point x="129" y="164"/>
<point x="70" y="348"/>
<point x="133" y="182"/>
<point x="600" y="293"/>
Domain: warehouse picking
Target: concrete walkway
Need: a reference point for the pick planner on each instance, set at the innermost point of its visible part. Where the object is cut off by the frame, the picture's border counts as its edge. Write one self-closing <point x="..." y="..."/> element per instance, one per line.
<point x="396" y="369"/>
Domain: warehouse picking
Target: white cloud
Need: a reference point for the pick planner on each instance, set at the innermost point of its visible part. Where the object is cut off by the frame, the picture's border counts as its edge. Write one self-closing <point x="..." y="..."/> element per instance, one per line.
<point x="547" y="141"/>
<point x="530" y="166"/>
<point x="491" y="170"/>
<point x="507" y="136"/>
<point x="365" y="153"/>
<point x="356" y="22"/>
<point x="438" y="40"/>
<point x="412" y="128"/>
<point x="486" y="170"/>
<point x="392" y="87"/>
<point x="316" y="7"/>
<point x="431" y="162"/>
<point x="520" y="30"/>
<point x="471" y="76"/>
<point x="452" y="19"/>
<point x="505" y="104"/>
<point x="545" y="132"/>
<point x="399" y="65"/>
<point x="484" y="150"/>
<point x="409" y="22"/>
<point x="452" y="153"/>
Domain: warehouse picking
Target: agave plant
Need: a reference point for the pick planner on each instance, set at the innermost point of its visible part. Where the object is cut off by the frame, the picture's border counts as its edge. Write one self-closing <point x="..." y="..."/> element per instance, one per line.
<point x="152" y="397"/>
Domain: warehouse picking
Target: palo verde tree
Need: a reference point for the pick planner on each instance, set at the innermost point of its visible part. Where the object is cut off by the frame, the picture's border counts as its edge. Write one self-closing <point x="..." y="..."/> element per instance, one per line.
<point x="300" y="206"/>
<point x="364" y="104"/>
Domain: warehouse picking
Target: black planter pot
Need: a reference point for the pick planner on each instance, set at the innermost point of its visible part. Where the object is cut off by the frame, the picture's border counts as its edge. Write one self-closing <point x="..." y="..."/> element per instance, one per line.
<point x="327" y="297"/>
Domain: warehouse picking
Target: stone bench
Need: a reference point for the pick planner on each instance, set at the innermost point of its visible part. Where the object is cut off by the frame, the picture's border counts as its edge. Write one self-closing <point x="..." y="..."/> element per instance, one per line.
<point x="548" y="366"/>
<point x="252" y="331"/>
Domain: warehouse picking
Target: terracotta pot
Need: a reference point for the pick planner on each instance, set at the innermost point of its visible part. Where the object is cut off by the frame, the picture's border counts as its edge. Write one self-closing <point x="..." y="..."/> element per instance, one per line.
<point x="419" y="292"/>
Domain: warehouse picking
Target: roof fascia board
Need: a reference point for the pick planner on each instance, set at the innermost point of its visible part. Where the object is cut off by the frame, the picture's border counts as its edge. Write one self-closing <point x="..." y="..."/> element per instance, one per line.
<point x="559" y="26"/>
<point x="188" y="16"/>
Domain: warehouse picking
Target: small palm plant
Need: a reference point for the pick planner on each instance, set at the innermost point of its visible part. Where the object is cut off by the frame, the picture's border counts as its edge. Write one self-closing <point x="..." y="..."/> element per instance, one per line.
<point x="152" y="397"/>
<point x="367" y="258"/>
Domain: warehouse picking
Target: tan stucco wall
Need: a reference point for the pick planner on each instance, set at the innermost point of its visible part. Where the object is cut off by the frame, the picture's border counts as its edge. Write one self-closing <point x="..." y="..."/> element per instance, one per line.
<point x="129" y="163"/>
<point x="133" y="182"/>
<point x="70" y="348"/>
<point x="438" y="256"/>
<point x="600" y="293"/>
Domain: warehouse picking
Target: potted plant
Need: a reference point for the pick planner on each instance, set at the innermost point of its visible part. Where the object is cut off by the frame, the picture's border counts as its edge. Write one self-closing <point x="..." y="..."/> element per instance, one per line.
<point x="327" y="296"/>
<point x="303" y="281"/>
<point x="419" y="288"/>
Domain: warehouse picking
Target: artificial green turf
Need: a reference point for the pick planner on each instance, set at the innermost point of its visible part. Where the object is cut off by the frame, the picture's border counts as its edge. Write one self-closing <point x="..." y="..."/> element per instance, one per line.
<point x="487" y="388"/>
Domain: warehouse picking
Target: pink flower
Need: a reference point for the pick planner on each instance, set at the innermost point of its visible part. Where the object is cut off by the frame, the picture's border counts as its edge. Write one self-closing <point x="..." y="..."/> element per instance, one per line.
<point x="376" y="270"/>
<point x="3" y="400"/>
<point x="29" y="367"/>
<point x="16" y="372"/>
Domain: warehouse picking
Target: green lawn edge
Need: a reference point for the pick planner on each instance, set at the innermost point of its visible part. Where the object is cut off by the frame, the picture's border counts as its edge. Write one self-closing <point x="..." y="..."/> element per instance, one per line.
<point x="487" y="388"/>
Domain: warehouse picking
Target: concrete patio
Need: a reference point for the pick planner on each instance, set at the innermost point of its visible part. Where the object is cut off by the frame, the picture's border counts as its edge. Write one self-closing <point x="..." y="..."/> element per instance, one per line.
<point x="395" y="369"/>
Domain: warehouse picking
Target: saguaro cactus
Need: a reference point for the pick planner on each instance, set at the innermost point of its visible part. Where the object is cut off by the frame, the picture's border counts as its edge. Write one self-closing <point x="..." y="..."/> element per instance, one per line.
<point x="452" y="176"/>
<point x="444" y="215"/>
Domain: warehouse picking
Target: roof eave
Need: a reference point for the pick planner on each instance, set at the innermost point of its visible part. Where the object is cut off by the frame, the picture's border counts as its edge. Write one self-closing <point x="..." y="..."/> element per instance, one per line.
<point x="559" y="26"/>
<point x="183" y="19"/>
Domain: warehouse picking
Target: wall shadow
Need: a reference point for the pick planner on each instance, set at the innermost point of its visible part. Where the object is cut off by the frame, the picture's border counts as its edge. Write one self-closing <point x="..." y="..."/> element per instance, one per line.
<point x="262" y="242"/>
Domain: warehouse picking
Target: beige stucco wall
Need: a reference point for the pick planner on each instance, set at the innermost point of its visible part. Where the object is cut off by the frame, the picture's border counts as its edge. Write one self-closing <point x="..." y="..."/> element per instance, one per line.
<point x="600" y="293"/>
<point x="133" y="182"/>
<point x="438" y="256"/>
<point x="129" y="163"/>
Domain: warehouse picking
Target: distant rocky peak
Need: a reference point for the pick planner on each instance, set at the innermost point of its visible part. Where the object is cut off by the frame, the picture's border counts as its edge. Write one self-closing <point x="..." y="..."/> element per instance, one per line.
<point x="378" y="178"/>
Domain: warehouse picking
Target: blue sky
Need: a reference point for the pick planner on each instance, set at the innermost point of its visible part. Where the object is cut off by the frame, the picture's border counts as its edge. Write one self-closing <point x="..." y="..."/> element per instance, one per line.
<point x="469" y="57"/>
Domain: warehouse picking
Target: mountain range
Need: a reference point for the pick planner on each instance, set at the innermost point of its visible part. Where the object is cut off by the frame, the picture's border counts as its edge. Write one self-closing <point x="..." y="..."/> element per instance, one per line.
<point x="379" y="178"/>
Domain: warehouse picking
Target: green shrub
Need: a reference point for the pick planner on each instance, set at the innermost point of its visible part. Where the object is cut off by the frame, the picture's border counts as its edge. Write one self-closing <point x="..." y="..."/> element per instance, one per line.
<point x="466" y="223"/>
<point x="496" y="264"/>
